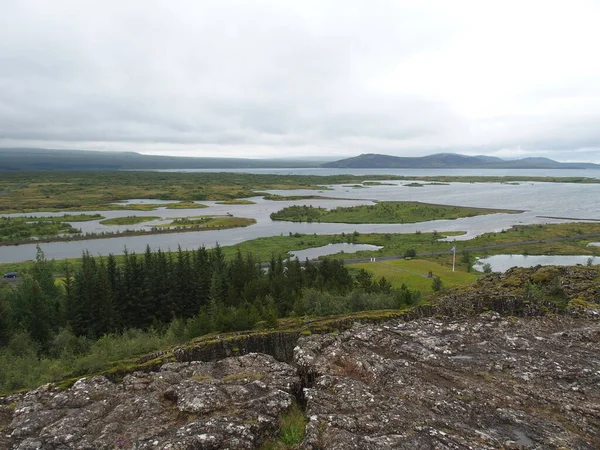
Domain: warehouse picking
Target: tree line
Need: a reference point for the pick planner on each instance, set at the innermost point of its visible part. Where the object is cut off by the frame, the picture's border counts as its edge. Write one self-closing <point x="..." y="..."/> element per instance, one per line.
<point x="104" y="295"/>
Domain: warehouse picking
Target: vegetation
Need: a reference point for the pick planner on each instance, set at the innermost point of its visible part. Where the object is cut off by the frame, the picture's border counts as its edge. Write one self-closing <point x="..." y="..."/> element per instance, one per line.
<point x="20" y="229"/>
<point x="206" y="222"/>
<point x="236" y="202"/>
<point x="415" y="273"/>
<point x="106" y="311"/>
<point x="382" y="212"/>
<point x="186" y="205"/>
<point x="129" y="220"/>
<point x="65" y="191"/>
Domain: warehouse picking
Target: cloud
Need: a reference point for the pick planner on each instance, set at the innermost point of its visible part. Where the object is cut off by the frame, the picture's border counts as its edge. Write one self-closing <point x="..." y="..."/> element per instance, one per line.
<point x="271" y="78"/>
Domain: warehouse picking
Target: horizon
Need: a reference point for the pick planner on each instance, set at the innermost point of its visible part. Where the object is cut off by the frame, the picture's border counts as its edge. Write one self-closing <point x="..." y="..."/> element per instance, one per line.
<point x="311" y="158"/>
<point x="262" y="80"/>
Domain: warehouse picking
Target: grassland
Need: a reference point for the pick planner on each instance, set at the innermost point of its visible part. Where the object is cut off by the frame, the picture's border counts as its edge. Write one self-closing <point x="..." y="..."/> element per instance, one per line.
<point x="382" y="212"/>
<point x="22" y="229"/>
<point x="236" y="202"/>
<point x="414" y="273"/>
<point x="77" y="191"/>
<point x="212" y="222"/>
<point x="128" y="220"/>
<point x="186" y="205"/>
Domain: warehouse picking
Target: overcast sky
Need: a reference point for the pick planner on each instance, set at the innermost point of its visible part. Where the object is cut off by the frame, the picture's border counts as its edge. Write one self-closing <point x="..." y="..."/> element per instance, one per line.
<point x="281" y="78"/>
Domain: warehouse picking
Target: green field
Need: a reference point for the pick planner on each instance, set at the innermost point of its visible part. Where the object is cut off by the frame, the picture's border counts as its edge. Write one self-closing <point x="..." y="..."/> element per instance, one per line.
<point x="213" y="222"/>
<point x="236" y="202"/>
<point x="413" y="273"/>
<point x="382" y="212"/>
<point x="186" y="205"/>
<point x="128" y="220"/>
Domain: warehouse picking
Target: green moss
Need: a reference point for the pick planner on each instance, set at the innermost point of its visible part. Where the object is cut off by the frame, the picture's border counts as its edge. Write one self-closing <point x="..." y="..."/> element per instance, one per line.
<point x="545" y="275"/>
<point x="201" y="378"/>
<point x="581" y="303"/>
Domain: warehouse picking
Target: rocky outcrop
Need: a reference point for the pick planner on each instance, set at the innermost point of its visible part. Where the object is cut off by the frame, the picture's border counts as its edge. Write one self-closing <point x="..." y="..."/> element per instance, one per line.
<point x="233" y="403"/>
<point x="487" y="382"/>
<point x="488" y="367"/>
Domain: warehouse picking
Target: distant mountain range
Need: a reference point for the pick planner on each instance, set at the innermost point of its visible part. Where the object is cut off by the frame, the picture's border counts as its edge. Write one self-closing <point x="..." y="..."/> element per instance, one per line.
<point x="16" y="159"/>
<point x="450" y="161"/>
<point x="22" y="159"/>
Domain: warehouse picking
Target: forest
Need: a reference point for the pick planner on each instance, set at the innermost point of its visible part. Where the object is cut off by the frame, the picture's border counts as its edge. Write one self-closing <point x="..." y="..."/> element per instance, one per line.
<point x="105" y="310"/>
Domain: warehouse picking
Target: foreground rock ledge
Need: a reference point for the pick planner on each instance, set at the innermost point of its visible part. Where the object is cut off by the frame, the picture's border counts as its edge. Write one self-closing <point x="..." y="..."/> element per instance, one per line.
<point x="484" y="383"/>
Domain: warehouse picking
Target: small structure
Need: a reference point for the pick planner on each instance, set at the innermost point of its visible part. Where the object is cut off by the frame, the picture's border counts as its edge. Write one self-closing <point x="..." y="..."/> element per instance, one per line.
<point x="10" y="275"/>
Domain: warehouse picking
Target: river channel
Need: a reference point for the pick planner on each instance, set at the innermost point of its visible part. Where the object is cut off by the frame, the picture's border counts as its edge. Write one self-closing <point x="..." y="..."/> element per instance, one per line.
<point x="541" y="203"/>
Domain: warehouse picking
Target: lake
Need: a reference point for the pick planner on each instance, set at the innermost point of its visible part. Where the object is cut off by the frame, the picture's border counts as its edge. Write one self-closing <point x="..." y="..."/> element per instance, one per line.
<point x="332" y="249"/>
<point x="539" y="201"/>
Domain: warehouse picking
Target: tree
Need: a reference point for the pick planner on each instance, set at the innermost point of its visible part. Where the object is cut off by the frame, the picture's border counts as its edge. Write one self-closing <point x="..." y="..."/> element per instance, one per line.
<point x="467" y="260"/>
<point x="436" y="284"/>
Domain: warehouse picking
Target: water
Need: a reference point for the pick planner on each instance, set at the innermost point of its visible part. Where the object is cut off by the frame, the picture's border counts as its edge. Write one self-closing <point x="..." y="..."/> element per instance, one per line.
<point x="332" y="249"/>
<point x="501" y="263"/>
<point x="572" y="200"/>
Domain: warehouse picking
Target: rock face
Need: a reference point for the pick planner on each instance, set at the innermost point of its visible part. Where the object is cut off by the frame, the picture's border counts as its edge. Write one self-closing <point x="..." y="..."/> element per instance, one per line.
<point x="459" y="379"/>
<point x="487" y="382"/>
<point x="232" y="403"/>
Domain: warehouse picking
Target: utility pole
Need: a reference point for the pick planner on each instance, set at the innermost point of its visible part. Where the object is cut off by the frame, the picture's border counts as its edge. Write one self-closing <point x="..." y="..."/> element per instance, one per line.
<point x="453" y="249"/>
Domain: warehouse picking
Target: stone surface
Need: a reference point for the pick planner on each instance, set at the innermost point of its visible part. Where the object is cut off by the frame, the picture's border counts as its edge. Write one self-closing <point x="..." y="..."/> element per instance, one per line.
<point x="232" y="403"/>
<point x="485" y="382"/>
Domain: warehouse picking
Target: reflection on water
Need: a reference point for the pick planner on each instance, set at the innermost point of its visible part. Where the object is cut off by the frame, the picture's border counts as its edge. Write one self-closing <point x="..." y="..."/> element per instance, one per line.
<point x="332" y="249"/>
<point x="501" y="263"/>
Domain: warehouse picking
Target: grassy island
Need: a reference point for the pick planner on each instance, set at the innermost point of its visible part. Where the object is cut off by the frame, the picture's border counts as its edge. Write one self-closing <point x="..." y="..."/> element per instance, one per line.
<point x="186" y="205"/>
<point x="208" y="222"/>
<point x="128" y="220"/>
<point x="22" y="229"/>
<point x="383" y="212"/>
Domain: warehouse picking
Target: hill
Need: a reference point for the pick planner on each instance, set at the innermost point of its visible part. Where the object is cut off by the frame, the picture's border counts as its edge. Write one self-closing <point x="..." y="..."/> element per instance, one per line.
<point x="450" y="161"/>
<point x="31" y="159"/>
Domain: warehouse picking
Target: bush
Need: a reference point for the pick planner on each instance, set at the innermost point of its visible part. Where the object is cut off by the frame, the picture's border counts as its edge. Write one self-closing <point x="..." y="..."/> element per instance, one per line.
<point x="436" y="284"/>
<point x="410" y="253"/>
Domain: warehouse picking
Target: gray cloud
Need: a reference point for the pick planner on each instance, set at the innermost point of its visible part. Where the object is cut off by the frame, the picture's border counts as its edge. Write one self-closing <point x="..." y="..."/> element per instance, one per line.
<point x="280" y="78"/>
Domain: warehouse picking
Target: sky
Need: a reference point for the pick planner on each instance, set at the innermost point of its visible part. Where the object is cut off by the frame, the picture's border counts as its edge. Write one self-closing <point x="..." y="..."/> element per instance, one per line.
<point x="264" y="79"/>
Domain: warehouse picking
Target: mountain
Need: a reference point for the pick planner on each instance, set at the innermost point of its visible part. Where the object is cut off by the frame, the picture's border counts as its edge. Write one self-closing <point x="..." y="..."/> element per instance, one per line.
<point x="15" y="159"/>
<point x="450" y="161"/>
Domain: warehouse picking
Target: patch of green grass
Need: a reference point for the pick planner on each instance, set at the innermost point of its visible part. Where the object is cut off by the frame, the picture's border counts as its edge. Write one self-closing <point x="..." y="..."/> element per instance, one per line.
<point x="209" y="222"/>
<point x="293" y="424"/>
<point x="277" y="197"/>
<point x="128" y="220"/>
<point x="378" y="183"/>
<point x="382" y="212"/>
<point x="186" y="205"/>
<point x="75" y="217"/>
<point x="413" y="273"/>
<point x="237" y="202"/>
